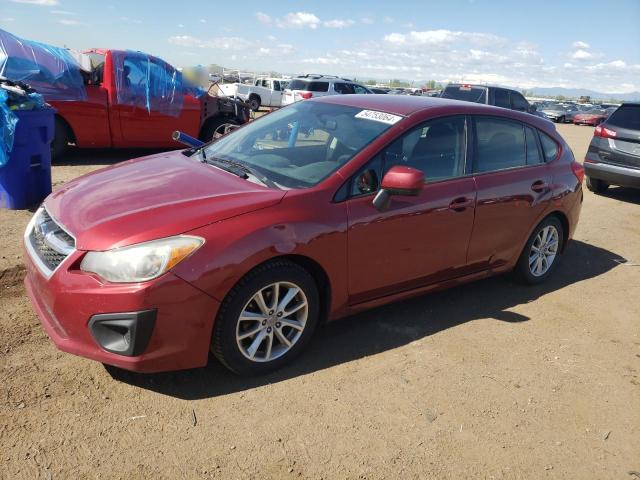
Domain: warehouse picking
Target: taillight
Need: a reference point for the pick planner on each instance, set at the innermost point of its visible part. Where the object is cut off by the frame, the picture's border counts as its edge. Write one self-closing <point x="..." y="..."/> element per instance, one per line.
<point x="604" y="132"/>
<point x="305" y="95"/>
<point x="578" y="170"/>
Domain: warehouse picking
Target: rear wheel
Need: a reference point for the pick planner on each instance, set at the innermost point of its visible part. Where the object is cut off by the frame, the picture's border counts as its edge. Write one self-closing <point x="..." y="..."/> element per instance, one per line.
<point x="61" y="139"/>
<point x="596" y="185"/>
<point x="266" y="319"/>
<point x="254" y="103"/>
<point x="540" y="254"/>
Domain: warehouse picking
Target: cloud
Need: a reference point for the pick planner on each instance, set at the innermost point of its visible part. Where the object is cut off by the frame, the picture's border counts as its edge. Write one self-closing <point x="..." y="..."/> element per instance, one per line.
<point x="69" y="22"/>
<point x="62" y="12"/>
<point x="44" y="3"/>
<point x="8" y="19"/>
<point x="299" y="20"/>
<point x="367" y="20"/>
<point x="263" y="18"/>
<point x="338" y="23"/>
<point x="440" y="38"/>
<point x="581" y="55"/>
<point x="581" y="45"/>
<point x="202" y="20"/>
<point x="232" y="44"/>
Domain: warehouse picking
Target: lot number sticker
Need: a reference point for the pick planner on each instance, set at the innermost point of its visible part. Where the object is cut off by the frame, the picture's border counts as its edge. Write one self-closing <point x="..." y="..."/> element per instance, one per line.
<point x="383" y="117"/>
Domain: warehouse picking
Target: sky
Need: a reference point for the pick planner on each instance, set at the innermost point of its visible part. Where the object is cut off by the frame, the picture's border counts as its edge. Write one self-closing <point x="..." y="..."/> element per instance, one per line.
<point x="572" y="43"/>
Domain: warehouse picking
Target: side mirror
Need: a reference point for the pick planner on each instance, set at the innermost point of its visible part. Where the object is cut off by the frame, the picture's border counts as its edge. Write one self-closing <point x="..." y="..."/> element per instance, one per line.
<point x="532" y="108"/>
<point x="401" y="181"/>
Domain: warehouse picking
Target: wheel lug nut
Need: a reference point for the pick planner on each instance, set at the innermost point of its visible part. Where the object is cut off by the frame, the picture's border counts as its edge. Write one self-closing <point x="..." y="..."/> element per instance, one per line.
<point x="269" y="330"/>
<point x="278" y="324"/>
<point x="264" y="322"/>
<point x="270" y="312"/>
<point x="279" y="314"/>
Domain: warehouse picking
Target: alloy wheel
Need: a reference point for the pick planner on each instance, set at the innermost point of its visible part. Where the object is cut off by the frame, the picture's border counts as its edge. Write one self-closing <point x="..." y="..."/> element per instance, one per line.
<point x="272" y="321"/>
<point x="543" y="250"/>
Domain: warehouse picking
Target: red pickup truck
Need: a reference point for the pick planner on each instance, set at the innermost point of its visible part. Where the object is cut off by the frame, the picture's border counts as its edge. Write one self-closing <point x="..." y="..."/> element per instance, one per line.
<point x="137" y="100"/>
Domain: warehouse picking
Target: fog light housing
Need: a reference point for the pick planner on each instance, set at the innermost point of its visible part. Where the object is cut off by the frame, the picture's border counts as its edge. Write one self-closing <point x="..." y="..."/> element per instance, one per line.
<point x="125" y="334"/>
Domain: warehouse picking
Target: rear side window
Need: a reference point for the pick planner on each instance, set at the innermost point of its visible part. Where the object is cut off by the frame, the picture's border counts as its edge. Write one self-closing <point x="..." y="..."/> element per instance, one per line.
<point x="549" y="146"/>
<point x="627" y="116"/>
<point x="533" y="152"/>
<point x="344" y="88"/>
<point x="318" y="87"/>
<point x="500" y="144"/>
<point x="501" y="98"/>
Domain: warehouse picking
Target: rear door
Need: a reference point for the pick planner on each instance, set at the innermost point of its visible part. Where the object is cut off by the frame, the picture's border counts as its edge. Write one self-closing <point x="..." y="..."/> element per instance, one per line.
<point x="624" y="148"/>
<point x="513" y="183"/>
<point x="276" y="93"/>
<point x="419" y="240"/>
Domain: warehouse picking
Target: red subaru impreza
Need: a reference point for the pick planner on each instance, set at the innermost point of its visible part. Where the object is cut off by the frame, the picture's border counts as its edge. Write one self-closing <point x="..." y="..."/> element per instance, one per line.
<point x="313" y="212"/>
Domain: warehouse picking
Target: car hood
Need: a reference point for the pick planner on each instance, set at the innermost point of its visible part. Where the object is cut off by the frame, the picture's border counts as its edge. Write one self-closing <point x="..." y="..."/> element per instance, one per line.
<point x="152" y="197"/>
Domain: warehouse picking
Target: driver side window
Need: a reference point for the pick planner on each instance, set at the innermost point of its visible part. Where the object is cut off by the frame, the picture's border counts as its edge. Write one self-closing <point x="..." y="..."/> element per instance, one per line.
<point x="437" y="147"/>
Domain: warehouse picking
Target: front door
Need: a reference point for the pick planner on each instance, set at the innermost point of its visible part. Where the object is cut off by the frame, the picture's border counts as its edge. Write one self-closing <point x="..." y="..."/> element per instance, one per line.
<point x="418" y="240"/>
<point x="152" y="102"/>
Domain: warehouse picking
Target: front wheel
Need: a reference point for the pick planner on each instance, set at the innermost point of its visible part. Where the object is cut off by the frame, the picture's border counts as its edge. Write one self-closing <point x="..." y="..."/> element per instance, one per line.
<point x="266" y="319"/>
<point x="540" y="255"/>
<point x="61" y="139"/>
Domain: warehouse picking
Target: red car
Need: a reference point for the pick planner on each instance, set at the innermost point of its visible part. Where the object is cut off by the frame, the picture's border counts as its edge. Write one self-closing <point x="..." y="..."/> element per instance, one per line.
<point x="591" y="117"/>
<point x="135" y="100"/>
<point x="313" y="212"/>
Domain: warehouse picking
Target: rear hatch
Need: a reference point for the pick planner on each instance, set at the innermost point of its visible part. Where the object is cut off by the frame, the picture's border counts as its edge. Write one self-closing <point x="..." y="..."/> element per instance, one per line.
<point x="467" y="93"/>
<point x="303" y="89"/>
<point x="620" y="137"/>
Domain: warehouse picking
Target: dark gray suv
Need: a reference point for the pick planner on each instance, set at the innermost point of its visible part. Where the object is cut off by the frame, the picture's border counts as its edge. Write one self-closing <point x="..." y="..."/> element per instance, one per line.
<point x="498" y="96"/>
<point x="613" y="157"/>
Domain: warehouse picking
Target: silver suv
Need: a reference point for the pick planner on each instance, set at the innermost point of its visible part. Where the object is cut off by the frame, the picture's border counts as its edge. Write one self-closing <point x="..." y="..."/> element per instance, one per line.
<point x="312" y="85"/>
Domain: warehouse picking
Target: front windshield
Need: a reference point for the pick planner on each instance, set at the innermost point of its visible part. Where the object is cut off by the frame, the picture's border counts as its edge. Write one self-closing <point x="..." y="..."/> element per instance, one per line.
<point x="300" y="145"/>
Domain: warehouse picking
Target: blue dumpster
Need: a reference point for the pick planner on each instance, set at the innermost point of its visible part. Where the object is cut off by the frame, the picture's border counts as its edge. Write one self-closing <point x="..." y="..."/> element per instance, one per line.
<point x="25" y="179"/>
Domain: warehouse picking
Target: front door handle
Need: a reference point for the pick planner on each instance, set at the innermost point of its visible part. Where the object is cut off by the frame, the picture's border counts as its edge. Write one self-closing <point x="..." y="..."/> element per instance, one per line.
<point x="538" y="186"/>
<point x="460" y="204"/>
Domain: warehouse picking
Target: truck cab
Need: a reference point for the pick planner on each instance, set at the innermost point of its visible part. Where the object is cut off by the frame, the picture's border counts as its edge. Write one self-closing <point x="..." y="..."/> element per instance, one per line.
<point x="135" y="100"/>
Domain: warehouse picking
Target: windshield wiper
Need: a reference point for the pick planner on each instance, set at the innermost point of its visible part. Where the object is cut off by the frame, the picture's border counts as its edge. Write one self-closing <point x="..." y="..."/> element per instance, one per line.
<point x="240" y="169"/>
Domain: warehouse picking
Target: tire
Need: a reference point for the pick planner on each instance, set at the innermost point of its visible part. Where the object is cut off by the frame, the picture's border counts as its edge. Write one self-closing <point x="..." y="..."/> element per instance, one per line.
<point x="269" y="351"/>
<point x="254" y="103"/>
<point x="561" y="120"/>
<point x="528" y="272"/>
<point x="595" y="185"/>
<point x="211" y="125"/>
<point x="61" y="139"/>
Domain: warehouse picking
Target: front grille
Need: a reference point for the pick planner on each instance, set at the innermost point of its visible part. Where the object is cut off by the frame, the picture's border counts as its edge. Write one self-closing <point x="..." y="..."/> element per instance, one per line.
<point x="49" y="242"/>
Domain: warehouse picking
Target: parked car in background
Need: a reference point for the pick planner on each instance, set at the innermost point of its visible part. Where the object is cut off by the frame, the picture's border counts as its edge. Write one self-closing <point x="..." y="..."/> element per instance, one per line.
<point x="243" y="246"/>
<point x="310" y="86"/>
<point x="378" y="90"/>
<point x="560" y="113"/>
<point x="497" y="96"/>
<point x="613" y="157"/>
<point x="593" y="117"/>
<point x="265" y="92"/>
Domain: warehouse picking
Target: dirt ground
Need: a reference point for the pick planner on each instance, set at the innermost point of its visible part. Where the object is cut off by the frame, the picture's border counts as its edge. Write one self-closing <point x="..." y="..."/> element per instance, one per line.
<point x="489" y="380"/>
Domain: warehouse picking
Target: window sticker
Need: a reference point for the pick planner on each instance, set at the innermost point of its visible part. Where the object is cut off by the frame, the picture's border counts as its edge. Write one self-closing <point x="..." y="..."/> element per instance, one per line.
<point x="383" y="117"/>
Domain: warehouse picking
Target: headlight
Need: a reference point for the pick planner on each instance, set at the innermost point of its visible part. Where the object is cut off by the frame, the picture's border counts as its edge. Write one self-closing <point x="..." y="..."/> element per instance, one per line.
<point x="141" y="262"/>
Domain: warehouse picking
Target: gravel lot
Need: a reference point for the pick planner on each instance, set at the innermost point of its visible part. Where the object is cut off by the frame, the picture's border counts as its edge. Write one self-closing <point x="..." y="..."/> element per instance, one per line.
<point x="489" y="380"/>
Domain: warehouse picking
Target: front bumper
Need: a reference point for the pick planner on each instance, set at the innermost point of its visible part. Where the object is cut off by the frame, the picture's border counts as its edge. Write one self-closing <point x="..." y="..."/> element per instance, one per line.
<point x="68" y="300"/>
<point x="613" y="174"/>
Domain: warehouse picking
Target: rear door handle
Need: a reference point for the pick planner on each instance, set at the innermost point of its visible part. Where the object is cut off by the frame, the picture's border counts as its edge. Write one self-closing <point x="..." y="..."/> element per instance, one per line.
<point x="460" y="204"/>
<point x="538" y="186"/>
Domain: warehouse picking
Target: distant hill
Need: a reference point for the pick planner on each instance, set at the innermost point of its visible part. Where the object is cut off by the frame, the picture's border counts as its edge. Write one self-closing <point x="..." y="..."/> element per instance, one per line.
<point x="578" y="92"/>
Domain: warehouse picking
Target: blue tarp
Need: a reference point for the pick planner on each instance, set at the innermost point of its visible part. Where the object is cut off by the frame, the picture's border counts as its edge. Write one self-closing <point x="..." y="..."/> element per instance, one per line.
<point x="8" y="121"/>
<point x="148" y="82"/>
<point x="51" y="71"/>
